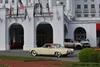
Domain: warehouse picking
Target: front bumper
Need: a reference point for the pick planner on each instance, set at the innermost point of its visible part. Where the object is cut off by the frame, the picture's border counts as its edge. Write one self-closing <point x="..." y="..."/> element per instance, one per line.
<point x="70" y="52"/>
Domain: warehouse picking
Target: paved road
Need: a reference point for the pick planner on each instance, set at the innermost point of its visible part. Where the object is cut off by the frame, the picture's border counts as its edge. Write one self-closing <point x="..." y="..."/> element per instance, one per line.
<point x="15" y="53"/>
<point x="27" y="53"/>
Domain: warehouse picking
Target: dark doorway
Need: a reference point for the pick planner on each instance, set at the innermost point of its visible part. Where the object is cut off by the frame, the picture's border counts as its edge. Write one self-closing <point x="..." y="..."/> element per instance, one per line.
<point x="44" y="34"/>
<point x="65" y="31"/>
<point x="16" y="36"/>
<point x="80" y="34"/>
<point x="98" y="34"/>
<point x="98" y="38"/>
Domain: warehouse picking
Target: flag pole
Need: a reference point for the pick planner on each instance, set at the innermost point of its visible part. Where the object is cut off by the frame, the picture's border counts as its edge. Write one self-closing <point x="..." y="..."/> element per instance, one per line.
<point x="33" y="8"/>
<point x="48" y="7"/>
<point x="17" y="9"/>
<point x="40" y="5"/>
<point x="10" y="11"/>
<point x="25" y="13"/>
<point x="26" y="2"/>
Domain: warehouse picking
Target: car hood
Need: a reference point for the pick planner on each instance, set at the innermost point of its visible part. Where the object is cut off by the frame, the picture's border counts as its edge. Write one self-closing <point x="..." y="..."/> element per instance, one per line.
<point x="84" y="42"/>
<point x="64" y="49"/>
<point x="67" y="49"/>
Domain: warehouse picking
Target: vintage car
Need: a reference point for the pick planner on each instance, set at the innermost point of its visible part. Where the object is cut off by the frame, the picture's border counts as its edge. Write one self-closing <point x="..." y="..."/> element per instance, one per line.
<point x="52" y="49"/>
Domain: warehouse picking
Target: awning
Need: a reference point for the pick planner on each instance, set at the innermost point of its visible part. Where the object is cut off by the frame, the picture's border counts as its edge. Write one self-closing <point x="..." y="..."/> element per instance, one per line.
<point x="98" y="27"/>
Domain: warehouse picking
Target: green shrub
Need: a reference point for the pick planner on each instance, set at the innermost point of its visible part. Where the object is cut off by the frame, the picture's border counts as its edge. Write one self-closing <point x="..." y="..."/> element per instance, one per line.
<point x="98" y="56"/>
<point x="88" y="55"/>
<point x="1" y="65"/>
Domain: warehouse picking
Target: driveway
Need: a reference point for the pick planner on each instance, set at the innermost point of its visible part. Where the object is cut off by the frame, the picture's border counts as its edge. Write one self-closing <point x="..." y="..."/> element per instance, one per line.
<point x="72" y="57"/>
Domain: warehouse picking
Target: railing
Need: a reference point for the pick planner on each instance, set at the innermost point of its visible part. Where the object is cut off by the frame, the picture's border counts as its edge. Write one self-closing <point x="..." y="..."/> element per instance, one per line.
<point x="45" y="13"/>
<point x="13" y="13"/>
<point x="21" y="13"/>
<point x="97" y="15"/>
<point x="78" y="11"/>
<point x="85" y="11"/>
<point x="93" y="10"/>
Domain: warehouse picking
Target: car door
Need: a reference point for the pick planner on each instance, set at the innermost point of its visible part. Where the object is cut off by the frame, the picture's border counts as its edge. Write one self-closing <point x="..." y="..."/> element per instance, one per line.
<point x="43" y="51"/>
<point x="51" y="51"/>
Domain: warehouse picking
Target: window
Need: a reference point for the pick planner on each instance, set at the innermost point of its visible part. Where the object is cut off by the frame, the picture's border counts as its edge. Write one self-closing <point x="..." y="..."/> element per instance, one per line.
<point x="6" y="1"/>
<point x="78" y="15"/>
<point x="80" y="34"/>
<point x="1" y="1"/>
<point x="92" y="6"/>
<point x="85" y="6"/>
<point x="29" y="1"/>
<point x="12" y="1"/>
<point x="85" y="15"/>
<point x="78" y="6"/>
<point x="85" y="0"/>
<point x="99" y="5"/>
<point x="92" y="15"/>
<point x="92" y="0"/>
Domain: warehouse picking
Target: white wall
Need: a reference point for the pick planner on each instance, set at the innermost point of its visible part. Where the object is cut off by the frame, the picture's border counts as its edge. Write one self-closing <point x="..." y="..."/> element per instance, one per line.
<point x="70" y="8"/>
<point x="29" y="40"/>
<point x="89" y="2"/>
<point x="2" y="30"/>
<point x="57" y="25"/>
<point x="28" y="26"/>
<point x="90" y="32"/>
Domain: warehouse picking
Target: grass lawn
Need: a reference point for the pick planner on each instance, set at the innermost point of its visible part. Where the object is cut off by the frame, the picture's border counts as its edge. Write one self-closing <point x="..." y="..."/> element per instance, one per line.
<point x="65" y="63"/>
<point x="80" y="64"/>
<point x="21" y="58"/>
<point x="1" y="65"/>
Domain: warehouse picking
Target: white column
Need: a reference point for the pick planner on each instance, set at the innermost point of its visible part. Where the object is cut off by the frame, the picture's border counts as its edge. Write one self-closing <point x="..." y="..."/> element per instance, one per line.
<point x="29" y="31"/>
<point x="50" y="3"/>
<point x="70" y="8"/>
<point x="58" y="25"/>
<point x="3" y="39"/>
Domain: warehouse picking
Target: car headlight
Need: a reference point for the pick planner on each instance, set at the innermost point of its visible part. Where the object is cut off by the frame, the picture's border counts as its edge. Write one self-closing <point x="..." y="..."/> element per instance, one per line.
<point x="71" y="50"/>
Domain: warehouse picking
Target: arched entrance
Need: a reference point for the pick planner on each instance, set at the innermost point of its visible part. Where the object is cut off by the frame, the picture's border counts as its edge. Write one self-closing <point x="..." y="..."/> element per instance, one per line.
<point x="44" y="34"/>
<point x="16" y="36"/>
<point x="98" y="34"/>
<point x="79" y="34"/>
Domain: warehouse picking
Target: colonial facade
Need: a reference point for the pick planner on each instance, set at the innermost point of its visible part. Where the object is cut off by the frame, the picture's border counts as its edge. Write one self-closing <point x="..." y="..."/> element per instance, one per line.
<point x="25" y="24"/>
<point x="41" y="24"/>
<point x="86" y="25"/>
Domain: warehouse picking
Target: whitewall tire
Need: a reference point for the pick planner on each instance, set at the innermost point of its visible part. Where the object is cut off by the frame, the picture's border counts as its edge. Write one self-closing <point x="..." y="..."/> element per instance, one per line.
<point x="33" y="53"/>
<point x="57" y="54"/>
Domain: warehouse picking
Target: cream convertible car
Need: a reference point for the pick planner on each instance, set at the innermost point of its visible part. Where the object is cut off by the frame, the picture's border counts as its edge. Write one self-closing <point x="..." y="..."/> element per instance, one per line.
<point x="51" y="49"/>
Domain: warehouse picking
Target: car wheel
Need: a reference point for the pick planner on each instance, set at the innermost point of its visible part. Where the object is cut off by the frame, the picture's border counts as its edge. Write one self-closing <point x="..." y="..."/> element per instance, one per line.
<point x="33" y="52"/>
<point x="78" y="47"/>
<point x="57" y="54"/>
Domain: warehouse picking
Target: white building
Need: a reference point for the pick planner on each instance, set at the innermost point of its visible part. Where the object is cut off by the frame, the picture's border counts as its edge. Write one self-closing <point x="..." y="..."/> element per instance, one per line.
<point x="85" y="25"/>
<point x="74" y="19"/>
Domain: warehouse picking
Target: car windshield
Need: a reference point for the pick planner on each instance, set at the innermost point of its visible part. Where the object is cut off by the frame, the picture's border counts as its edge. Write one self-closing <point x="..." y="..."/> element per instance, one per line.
<point x="85" y="40"/>
<point x="57" y="45"/>
<point x="52" y="46"/>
